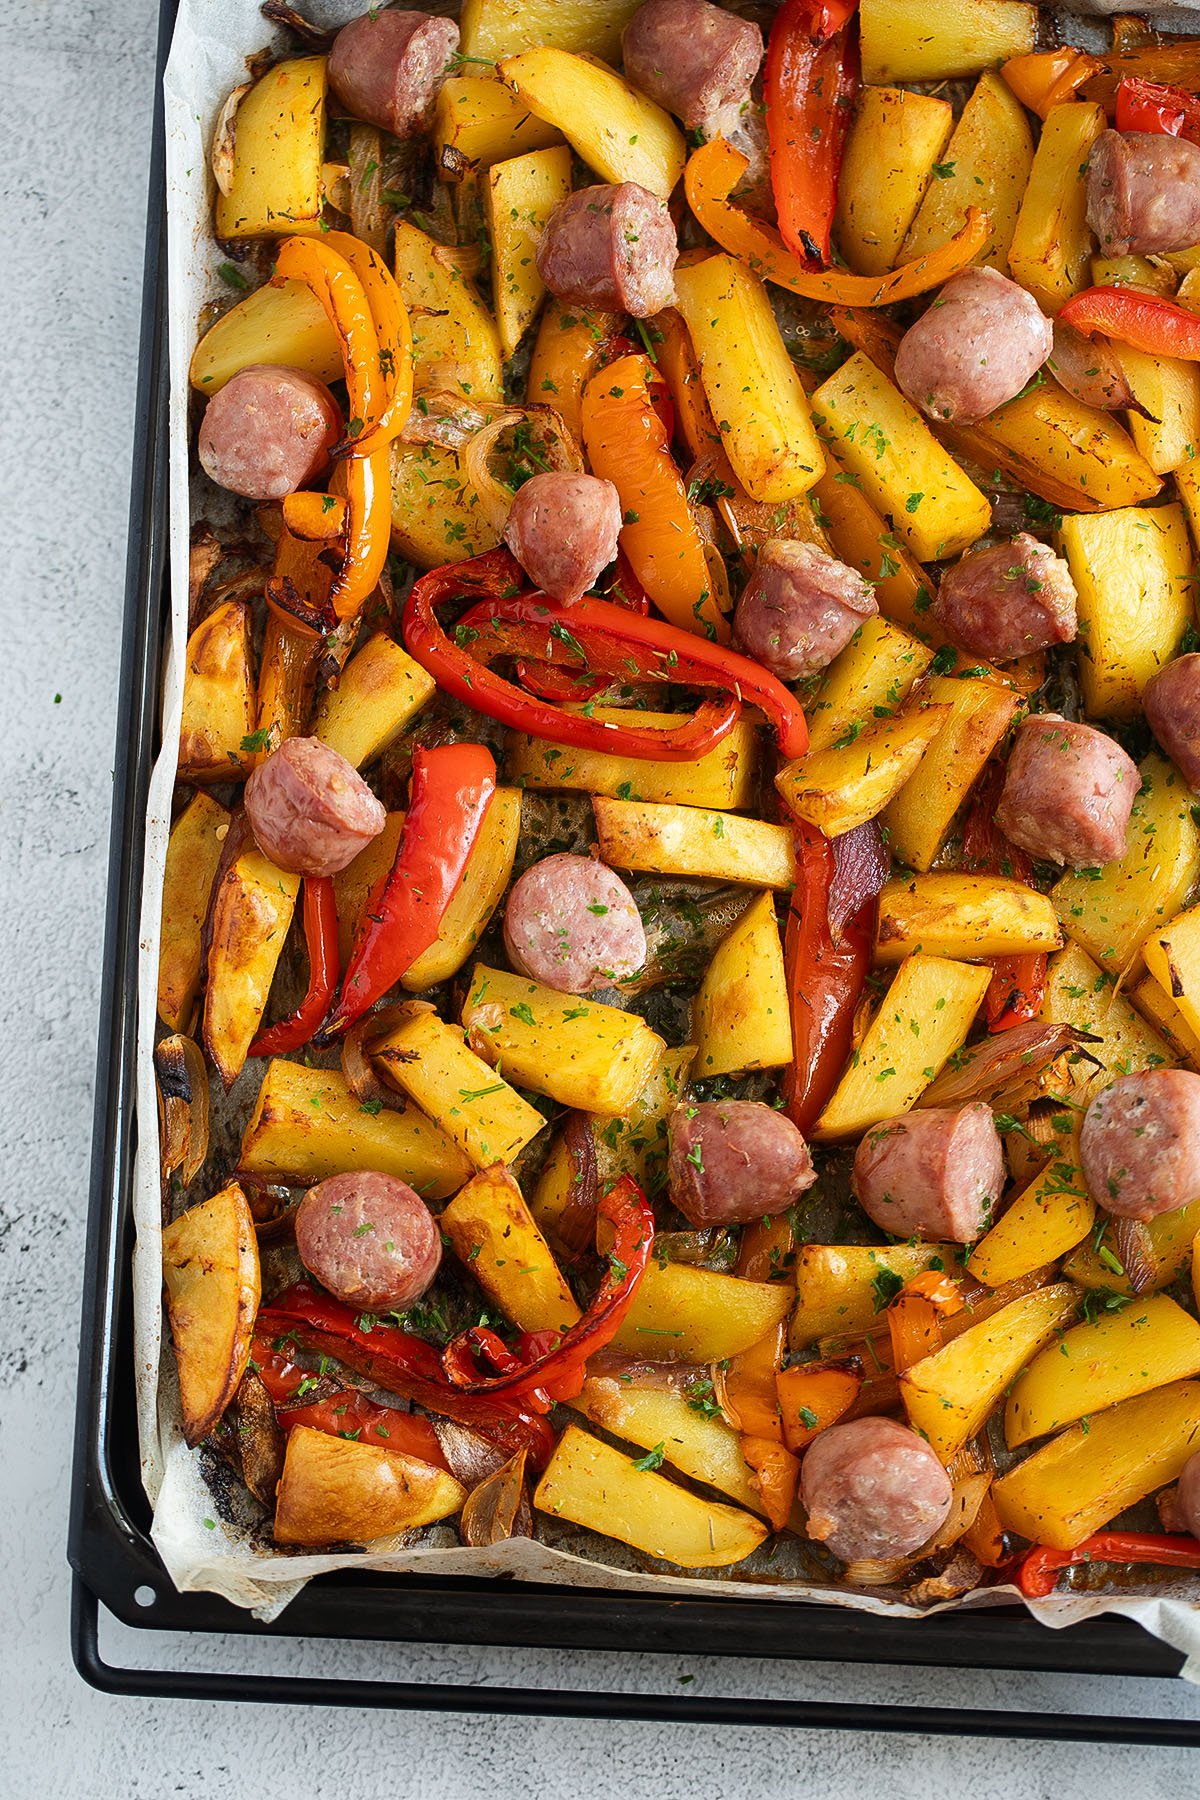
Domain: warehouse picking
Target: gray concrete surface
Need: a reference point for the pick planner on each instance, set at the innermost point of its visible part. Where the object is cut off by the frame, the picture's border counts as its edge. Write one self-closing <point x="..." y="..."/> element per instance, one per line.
<point x="74" y="137"/>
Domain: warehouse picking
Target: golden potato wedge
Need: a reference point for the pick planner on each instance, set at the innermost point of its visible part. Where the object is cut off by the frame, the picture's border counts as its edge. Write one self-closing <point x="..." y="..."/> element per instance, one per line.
<point x="1169" y="391"/>
<point x="335" y="1490"/>
<point x="285" y="324"/>
<point x="1112" y="917"/>
<point x="1168" y="1250"/>
<point x="925" y="1015"/>
<point x="495" y="28"/>
<point x="1132" y="570"/>
<point x="493" y="1232"/>
<point x="741" y="1017"/>
<point x="707" y="1449"/>
<point x="577" y="1050"/>
<point x="250" y="916"/>
<point x="1052" y="241"/>
<point x="1172" y="953"/>
<point x="1097" y="1364"/>
<point x="1049" y="1217"/>
<point x="895" y="141"/>
<point x="934" y="508"/>
<point x="902" y="40"/>
<point x="476" y="897"/>
<point x="193" y="853"/>
<point x="694" y="840"/>
<point x="593" y="1485"/>
<point x="869" y="680"/>
<point x="1079" y="992"/>
<point x="724" y="777"/>
<point x="306" y="1124"/>
<point x="380" y="691"/>
<point x="456" y="347"/>
<point x="986" y="164"/>
<point x="681" y="1313"/>
<point x="218" y="696"/>
<point x="278" y="146"/>
<point x="210" y="1268"/>
<point x="430" y="1061"/>
<point x="963" y="916"/>
<point x="617" y="131"/>
<point x="749" y="379"/>
<point x="519" y="196"/>
<point x="436" y="513"/>
<point x="1157" y="1006"/>
<point x="479" y="122"/>
<point x="841" y="1289"/>
<point x="949" y="1395"/>
<point x="854" y="779"/>
<point x="860" y="536"/>
<point x="1079" y="1481"/>
<point x="919" y="818"/>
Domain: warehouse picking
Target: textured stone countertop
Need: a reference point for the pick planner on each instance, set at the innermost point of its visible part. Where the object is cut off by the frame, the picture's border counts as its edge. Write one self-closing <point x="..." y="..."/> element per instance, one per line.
<point x="75" y="139"/>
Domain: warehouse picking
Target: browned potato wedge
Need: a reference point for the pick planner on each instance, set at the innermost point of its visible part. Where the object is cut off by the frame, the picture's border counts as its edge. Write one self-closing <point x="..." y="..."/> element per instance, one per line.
<point x="210" y="1266"/>
<point x="334" y="1489"/>
<point x="251" y="911"/>
<point x="218" y="696"/>
<point x="193" y="854"/>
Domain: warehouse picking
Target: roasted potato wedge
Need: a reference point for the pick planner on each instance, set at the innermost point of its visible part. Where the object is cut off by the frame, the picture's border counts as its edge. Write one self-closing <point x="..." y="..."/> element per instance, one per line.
<point x="742" y="1019"/>
<point x="249" y="919"/>
<point x="1144" y="1345"/>
<point x="193" y="854"/>
<point x="218" y="696"/>
<point x="380" y="691"/>
<point x="520" y="195"/>
<point x="482" y="1113"/>
<point x="685" y="1314"/>
<point x="724" y="777"/>
<point x="334" y="1490"/>
<point x="694" y="840"/>
<point x="210" y="1268"/>
<point x="617" y="131"/>
<point x="706" y="1449"/>
<point x="278" y="147"/>
<point x="493" y="1232"/>
<point x="964" y="916"/>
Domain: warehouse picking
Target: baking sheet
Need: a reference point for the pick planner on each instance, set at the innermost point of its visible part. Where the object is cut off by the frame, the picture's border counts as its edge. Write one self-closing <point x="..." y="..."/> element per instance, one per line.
<point x="223" y="1555"/>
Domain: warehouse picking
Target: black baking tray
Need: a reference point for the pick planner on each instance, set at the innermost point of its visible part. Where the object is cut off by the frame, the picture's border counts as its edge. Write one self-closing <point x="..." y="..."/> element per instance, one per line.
<point x="116" y="1568"/>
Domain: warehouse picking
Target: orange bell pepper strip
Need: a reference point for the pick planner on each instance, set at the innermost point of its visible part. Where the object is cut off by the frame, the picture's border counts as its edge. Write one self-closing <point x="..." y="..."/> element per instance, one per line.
<point x="337" y="288"/>
<point x="939" y="1288"/>
<point x="712" y="173"/>
<point x="767" y="1249"/>
<point x="914" y="1328"/>
<point x="393" y="337"/>
<point x="750" y="1393"/>
<point x="570" y="346"/>
<point x="776" y="1476"/>
<point x="812" y="1397"/>
<point x="1047" y="78"/>
<point x="984" y="1536"/>
<point x="627" y="444"/>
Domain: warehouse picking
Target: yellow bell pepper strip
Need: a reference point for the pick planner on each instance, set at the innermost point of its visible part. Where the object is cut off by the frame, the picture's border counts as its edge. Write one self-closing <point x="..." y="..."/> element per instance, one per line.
<point x="713" y="172"/>
<point x="1047" y="78"/>
<point x="627" y="444"/>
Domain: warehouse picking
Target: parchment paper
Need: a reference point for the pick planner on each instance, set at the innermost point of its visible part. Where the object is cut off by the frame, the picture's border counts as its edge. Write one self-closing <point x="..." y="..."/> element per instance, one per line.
<point x="226" y="1554"/>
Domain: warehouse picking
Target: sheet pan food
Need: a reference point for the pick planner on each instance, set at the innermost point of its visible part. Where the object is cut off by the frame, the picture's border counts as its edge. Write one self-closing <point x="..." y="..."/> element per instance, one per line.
<point x="679" y="985"/>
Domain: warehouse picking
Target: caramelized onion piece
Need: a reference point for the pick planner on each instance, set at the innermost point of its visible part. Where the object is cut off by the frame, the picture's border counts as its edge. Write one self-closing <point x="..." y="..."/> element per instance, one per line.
<point x="224" y="133"/>
<point x="1005" y="1067"/>
<point x="1135" y="1253"/>
<point x="576" y="1229"/>
<point x="182" y="1107"/>
<point x="368" y="214"/>
<point x="315" y="36"/>
<point x="472" y="1459"/>
<point x="556" y="446"/>
<point x="499" y="1508"/>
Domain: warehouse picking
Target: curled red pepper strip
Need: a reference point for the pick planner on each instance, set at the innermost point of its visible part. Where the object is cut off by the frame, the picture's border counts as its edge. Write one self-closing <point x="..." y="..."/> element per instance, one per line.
<point x="1145" y="321"/>
<point x="402" y="1364"/>
<point x="342" y="1413"/>
<point x="1041" y="1566"/>
<point x="1018" y="985"/>
<point x="827" y="955"/>
<point x="460" y="1361"/>
<point x="560" y="1371"/>
<point x="595" y="635"/>
<point x="459" y="672"/>
<point x="452" y="788"/>
<point x="1150" y="106"/>
<point x="809" y="84"/>
<point x="321" y="938"/>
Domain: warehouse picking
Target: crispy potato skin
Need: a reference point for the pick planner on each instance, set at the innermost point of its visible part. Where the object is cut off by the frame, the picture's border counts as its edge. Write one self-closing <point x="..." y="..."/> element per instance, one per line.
<point x="210" y="1267"/>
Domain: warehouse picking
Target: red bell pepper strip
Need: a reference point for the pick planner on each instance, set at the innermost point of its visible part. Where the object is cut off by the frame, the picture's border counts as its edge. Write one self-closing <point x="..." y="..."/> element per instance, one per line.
<point x="827" y="953"/>
<point x="1041" y="1566"/>
<point x="452" y="788"/>
<point x="343" y="1413"/>
<point x="1157" y="326"/>
<point x="321" y="938"/>
<point x="1150" y="106"/>
<point x="596" y="635"/>
<point x="460" y="673"/>
<point x="1018" y="985"/>
<point x="403" y="1364"/>
<point x="811" y="79"/>
<point x="559" y="1372"/>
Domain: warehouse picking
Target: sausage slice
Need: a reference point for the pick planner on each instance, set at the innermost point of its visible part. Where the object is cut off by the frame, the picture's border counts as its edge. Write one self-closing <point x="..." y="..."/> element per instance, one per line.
<point x="1143" y="193"/>
<point x="573" y="925"/>
<point x="612" y="247"/>
<point x="1068" y="793"/>
<point x="387" y="66"/>
<point x="370" y="1239"/>
<point x="1172" y="705"/>
<point x="268" y="431"/>
<point x="974" y="348"/>
<point x="696" y="60"/>
<point x="563" y="530"/>
<point x="732" y="1160"/>
<point x="799" y="608"/>
<point x="1140" y="1143"/>
<point x="873" y="1488"/>
<point x="310" y="810"/>
<point x="936" y="1173"/>
<point x="1008" y="600"/>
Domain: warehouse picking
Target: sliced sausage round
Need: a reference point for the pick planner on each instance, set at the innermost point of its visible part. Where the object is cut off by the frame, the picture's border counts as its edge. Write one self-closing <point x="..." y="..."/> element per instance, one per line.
<point x="268" y="431"/>
<point x="612" y="247"/>
<point x="936" y="1173"/>
<point x="974" y="348"/>
<point x="696" y="60"/>
<point x="1172" y="705"/>
<point x="310" y="810"/>
<point x="1143" y="193"/>
<point x="732" y="1160"/>
<point x="563" y="530"/>
<point x="872" y="1488"/>
<point x="573" y="925"/>
<point x="1140" y="1143"/>
<point x="370" y="1239"/>
<point x="799" y="608"/>
<point x="387" y="66"/>
<point x="1008" y="600"/>
<point x="1187" y="1495"/>
<point x="1068" y="793"/>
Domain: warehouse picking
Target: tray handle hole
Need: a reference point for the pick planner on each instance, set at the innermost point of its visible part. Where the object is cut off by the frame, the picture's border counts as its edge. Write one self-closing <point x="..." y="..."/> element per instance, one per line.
<point x="144" y="1595"/>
